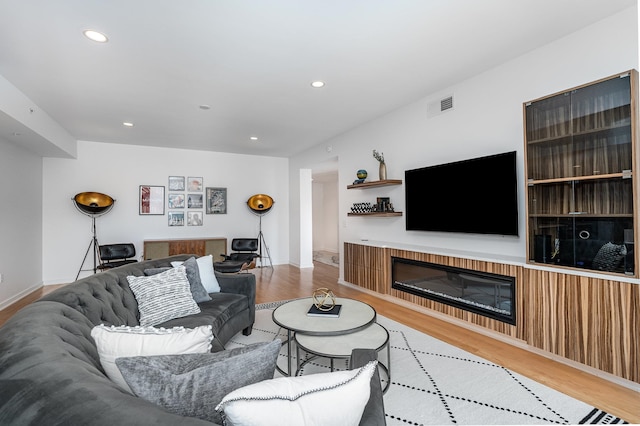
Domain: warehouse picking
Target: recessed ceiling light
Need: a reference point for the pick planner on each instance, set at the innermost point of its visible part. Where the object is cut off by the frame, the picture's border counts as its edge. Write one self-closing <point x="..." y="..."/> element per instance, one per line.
<point x="127" y="124"/>
<point x="254" y="138"/>
<point x="95" y="36"/>
<point x="317" y="84"/>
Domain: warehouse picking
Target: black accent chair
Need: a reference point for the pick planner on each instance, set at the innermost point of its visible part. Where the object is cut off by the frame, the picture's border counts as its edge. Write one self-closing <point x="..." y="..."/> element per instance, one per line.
<point x="114" y="255"/>
<point x="243" y="256"/>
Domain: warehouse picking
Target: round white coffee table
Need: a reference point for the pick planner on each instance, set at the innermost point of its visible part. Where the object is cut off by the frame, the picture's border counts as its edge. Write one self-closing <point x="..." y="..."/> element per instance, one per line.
<point x="340" y="346"/>
<point x="292" y="316"/>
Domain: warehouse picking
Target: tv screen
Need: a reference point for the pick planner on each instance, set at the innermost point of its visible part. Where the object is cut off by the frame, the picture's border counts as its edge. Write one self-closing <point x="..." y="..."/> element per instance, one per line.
<point x="476" y="196"/>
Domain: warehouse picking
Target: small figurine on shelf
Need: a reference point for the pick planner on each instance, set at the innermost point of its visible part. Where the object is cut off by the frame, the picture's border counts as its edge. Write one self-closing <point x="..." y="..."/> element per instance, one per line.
<point x="383" y="167"/>
<point x="362" y="175"/>
<point x="382" y="204"/>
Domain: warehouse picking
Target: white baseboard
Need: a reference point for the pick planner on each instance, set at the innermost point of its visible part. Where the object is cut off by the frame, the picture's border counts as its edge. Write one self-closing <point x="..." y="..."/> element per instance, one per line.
<point x="6" y="303"/>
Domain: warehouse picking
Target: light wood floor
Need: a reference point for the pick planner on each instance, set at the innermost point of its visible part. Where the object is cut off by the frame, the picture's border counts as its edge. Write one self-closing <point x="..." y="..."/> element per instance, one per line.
<point x="288" y="282"/>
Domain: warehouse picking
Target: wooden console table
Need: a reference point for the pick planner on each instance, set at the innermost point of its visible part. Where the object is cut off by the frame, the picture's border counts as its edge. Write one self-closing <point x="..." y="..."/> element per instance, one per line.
<point x="156" y="249"/>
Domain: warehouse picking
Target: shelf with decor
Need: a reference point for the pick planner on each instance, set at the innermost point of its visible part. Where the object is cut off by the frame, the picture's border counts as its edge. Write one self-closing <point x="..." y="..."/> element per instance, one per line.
<point x="375" y="184"/>
<point x="580" y="165"/>
<point x="383" y="207"/>
<point x="379" y="214"/>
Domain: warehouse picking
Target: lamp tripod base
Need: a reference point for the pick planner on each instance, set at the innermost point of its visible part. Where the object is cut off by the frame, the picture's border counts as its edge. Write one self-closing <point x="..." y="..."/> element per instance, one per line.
<point x="96" y="254"/>
<point x="262" y="243"/>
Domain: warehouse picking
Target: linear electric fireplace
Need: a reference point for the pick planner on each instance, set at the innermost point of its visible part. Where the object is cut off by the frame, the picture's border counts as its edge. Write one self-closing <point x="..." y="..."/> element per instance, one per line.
<point x="483" y="293"/>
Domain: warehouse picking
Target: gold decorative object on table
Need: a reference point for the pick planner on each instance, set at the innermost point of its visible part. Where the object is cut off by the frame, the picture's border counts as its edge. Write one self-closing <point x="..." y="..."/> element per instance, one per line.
<point x="324" y="299"/>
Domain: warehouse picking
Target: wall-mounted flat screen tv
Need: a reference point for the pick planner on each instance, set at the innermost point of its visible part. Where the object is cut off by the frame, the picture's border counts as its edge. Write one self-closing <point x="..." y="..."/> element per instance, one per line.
<point x="478" y="196"/>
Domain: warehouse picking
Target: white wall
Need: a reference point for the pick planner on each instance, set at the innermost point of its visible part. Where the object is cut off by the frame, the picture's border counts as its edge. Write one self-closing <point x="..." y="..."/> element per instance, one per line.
<point x="305" y="217"/>
<point x="20" y="222"/>
<point x="325" y="213"/>
<point x="486" y="119"/>
<point x="118" y="170"/>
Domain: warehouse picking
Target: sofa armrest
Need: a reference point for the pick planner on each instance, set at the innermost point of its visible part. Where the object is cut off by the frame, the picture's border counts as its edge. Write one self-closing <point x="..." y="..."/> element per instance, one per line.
<point x="373" y="414"/>
<point x="239" y="284"/>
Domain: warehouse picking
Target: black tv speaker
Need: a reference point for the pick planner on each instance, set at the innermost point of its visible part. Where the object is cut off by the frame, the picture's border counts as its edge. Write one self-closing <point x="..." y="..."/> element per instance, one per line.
<point x="542" y="248"/>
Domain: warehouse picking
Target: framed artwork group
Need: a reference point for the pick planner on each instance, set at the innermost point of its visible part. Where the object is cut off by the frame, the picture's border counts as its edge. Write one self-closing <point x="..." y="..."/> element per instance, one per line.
<point x="187" y="200"/>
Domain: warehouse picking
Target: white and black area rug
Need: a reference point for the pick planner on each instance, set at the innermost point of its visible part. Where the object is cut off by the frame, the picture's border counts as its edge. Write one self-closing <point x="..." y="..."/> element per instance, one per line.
<point x="434" y="383"/>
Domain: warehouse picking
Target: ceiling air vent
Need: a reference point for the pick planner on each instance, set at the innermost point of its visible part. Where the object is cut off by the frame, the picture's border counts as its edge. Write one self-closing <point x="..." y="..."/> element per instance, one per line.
<point x="440" y="106"/>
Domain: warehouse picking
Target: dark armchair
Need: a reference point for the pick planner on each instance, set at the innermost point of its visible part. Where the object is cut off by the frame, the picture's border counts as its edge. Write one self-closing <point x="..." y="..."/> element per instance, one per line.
<point x="114" y="255"/>
<point x="242" y="257"/>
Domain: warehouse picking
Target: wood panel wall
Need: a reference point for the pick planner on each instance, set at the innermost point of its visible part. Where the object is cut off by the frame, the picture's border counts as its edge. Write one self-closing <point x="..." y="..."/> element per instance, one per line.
<point x="365" y="266"/>
<point x="594" y="321"/>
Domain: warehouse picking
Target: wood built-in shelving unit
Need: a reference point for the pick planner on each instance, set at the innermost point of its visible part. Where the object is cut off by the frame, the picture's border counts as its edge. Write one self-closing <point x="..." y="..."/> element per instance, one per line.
<point x="590" y="320"/>
<point x="376" y="184"/>
<point x="581" y="176"/>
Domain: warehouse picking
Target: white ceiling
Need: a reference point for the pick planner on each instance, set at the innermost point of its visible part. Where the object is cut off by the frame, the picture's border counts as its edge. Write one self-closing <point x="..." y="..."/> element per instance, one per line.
<point x="253" y="61"/>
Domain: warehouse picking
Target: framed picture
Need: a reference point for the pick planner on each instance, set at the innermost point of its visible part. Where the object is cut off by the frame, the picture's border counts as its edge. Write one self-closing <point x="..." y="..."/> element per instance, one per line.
<point x="194" y="218"/>
<point x="176" y="218"/>
<point x="216" y="200"/>
<point x="151" y="200"/>
<point x="176" y="183"/>
<point x="194" y="201"/>
<point x="194" y="184"/>
<point x="176" y="201"/>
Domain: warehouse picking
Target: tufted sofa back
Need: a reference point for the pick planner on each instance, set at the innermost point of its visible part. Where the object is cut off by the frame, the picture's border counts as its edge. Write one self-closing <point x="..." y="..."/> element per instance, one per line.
<point x="50" y="374"/>
<point x="105" y="298"/>
<point x="50" y="371"/>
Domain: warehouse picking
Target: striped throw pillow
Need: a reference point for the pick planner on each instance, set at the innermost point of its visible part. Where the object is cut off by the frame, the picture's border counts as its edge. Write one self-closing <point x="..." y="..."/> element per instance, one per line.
<point x="163" y="297"/>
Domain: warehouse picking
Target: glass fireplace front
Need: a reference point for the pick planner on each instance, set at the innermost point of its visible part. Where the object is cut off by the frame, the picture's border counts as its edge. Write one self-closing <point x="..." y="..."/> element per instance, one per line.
<point x="491" y="295"/>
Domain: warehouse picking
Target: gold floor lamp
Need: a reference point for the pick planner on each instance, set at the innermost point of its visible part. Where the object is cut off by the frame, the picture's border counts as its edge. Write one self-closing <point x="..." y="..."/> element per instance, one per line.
<point x="92" y="204"/>
<point x="260" y="204"/>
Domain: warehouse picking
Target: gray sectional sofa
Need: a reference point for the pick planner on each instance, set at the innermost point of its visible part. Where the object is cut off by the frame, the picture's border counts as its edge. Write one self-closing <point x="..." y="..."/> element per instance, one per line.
<point x="50" y="370"/>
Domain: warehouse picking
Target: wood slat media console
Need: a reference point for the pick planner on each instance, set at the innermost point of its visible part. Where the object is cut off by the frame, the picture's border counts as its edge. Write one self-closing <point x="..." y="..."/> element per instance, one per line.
<point x="156" y="249"/>
<point x="593" y="321"/>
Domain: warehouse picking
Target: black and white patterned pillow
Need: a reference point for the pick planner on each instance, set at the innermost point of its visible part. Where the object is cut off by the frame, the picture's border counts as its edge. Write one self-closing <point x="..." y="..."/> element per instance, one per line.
<point x="163" y="297"/>
<point x="191" y="267"/>
<point x="609" y="256"/>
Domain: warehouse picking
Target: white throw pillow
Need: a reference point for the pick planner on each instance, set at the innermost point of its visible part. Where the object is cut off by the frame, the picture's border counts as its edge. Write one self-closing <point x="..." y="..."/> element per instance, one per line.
<point x="114" y="342"/>
<point x="326" y="399"/>
<point x="163" y="297"/>
<point x="207" y="276"/>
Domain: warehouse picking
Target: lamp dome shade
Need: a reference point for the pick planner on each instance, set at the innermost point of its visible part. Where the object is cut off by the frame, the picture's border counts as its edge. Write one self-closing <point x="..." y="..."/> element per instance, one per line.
<point x="93" y="203"/>
<point x="260" y="203"/>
